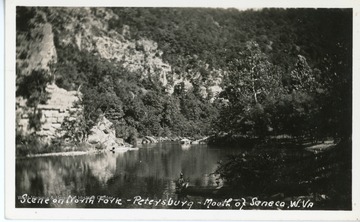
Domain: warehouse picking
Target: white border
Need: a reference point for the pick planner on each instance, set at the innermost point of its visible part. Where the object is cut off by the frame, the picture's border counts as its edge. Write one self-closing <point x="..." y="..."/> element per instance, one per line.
<point x="154" y="214"/>
<point x="2" y="102"/>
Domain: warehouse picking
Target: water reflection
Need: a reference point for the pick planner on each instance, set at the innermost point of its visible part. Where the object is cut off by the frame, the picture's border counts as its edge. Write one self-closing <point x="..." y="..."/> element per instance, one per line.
<point x="148" y="172"/>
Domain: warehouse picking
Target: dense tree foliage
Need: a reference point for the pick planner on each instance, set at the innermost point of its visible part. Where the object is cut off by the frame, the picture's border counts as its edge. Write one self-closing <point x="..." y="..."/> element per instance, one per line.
<point x="32" y="87"/>
<point x="137" y="108"/>
<point x="289" y="70"/>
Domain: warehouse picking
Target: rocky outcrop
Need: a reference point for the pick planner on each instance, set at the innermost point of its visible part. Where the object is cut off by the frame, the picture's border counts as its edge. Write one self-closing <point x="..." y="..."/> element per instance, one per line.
<point x="61" y="105"/>
<point x="140" y="56"/>
<point x="103" y="136"/>
<point x="91" y="33"/>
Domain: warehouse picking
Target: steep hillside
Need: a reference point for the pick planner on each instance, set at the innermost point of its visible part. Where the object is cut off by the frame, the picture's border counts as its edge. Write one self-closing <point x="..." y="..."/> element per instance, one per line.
<point x="91" y="34"/>
<point x="150" y="71"/>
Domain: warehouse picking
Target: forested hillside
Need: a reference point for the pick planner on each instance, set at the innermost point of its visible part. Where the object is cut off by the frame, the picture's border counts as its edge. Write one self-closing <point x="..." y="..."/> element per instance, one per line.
<point x="196" y="71"/>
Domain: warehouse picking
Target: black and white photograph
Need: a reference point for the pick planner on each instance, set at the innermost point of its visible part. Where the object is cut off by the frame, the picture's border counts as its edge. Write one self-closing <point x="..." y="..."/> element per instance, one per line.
<point x="200" y="109"/>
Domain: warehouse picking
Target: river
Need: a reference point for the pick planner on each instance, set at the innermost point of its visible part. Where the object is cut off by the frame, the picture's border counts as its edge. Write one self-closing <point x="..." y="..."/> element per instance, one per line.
<point x="148" y="172"/>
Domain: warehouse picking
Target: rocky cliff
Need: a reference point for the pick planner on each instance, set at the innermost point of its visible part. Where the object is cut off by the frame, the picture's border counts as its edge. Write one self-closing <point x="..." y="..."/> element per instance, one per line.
<point x="91" y="33"/>
<point x="48" y="30"/>
<point x="36" y="51"/>
<point x="88" y="30"/>
<point x="61" y="105"/>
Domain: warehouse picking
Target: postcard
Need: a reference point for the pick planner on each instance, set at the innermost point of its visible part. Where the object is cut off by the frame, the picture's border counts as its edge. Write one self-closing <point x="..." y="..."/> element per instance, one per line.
<point x="181" y="111"/>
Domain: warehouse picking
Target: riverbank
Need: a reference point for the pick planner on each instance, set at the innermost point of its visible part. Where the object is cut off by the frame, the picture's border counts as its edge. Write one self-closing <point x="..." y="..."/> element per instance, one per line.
<point x="68" y="153"/>
<point x="189" y="140"/>
<point x="308" y="144"/>
<point x="32" y="146"/>
<point x="77" y="153"/>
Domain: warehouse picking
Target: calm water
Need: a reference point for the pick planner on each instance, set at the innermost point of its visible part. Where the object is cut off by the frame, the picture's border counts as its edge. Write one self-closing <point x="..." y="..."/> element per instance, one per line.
<point x="148" y="172"/>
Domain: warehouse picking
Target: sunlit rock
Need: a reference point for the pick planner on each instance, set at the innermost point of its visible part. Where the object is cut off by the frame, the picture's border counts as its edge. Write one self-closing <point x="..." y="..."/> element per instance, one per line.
<point x="103" y="135"/>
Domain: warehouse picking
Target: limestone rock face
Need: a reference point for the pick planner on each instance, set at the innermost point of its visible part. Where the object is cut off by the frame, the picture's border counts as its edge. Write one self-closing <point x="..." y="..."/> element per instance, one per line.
<point x="60" y="105"/>
<point x="91" y="33"/>
<point x="63" y="106"/>
<point x="103" y="135"/>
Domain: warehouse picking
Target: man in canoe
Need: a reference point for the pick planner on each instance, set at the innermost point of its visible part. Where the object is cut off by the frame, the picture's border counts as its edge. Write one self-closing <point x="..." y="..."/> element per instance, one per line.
<point x="181" y="183"/>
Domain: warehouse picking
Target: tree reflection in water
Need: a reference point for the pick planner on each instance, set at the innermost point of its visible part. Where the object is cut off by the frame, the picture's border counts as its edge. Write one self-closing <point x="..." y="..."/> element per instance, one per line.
<point x="148" y="172"/>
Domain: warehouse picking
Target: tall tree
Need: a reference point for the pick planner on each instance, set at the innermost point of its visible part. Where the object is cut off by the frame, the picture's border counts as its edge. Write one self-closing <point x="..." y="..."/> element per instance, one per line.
<point x="252" y="81"/>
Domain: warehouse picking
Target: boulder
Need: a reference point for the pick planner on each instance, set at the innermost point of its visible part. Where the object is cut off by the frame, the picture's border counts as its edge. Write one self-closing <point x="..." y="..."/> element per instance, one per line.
<point x="110" y="143"/>
<point x="103" y="135"/>
<point x="95" y="136"/>
<point x="185" y="141"/>
<point x="105" y="124"/>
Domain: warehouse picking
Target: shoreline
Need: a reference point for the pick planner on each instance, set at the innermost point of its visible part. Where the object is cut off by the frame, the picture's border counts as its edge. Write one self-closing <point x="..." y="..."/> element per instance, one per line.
<point x="75" y="153"/>
<point x="86" y="147"/>
<point x="319" y="147"/>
